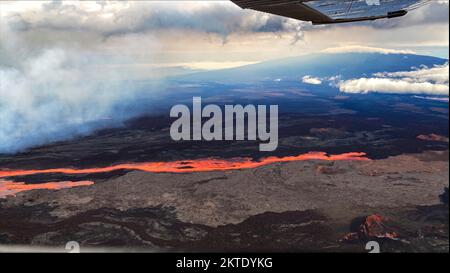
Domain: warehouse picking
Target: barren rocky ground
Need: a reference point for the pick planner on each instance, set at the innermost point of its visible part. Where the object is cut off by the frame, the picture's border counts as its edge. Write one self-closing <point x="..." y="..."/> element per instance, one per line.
<point x="295" y="206"/>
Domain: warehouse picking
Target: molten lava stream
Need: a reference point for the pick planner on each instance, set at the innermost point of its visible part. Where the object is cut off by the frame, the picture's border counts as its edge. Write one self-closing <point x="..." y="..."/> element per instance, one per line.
<point x="10" y="188"/>
<point x="190" y="166"/>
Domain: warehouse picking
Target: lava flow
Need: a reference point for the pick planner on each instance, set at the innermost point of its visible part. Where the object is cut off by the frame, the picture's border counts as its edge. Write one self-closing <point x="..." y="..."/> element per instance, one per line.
<point x="10" y="188"/>
<point x="190" y="166"/>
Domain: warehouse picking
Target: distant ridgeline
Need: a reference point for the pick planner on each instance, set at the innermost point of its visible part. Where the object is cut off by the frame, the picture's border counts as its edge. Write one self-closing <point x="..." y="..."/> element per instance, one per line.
<point x="347" y="65"/>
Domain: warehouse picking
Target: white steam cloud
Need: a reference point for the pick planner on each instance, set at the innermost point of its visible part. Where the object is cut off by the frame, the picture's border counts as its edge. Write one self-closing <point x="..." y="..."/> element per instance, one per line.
<point x="54" y="94"/>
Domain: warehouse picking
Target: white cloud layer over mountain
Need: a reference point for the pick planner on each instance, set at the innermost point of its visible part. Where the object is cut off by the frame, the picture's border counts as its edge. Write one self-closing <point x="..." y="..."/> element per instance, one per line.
<point x="426" y="81"/>
<point x="367" y="49"/>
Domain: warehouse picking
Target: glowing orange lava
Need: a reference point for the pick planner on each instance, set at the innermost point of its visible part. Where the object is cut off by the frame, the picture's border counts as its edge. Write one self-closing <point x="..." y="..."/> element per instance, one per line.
<point x="190" y="166"/>
<point x="10" y="188"/>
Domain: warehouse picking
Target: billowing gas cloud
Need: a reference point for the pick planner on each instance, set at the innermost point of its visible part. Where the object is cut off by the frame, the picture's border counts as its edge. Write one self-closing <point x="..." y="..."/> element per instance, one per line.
<point x="428" y="81"/>
<point x="56" y="93"/>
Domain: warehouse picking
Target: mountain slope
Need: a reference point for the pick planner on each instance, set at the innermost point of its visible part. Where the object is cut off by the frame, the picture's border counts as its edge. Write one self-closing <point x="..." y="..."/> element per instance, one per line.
<point x="348" y="65"/>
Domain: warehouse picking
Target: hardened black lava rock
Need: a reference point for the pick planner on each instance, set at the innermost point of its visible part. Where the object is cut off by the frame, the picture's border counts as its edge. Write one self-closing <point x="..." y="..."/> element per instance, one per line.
<point x="444" y="196"/>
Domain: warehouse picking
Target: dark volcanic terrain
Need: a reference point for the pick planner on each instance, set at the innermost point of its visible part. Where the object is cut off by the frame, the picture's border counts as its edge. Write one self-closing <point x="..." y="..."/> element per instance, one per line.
<point x="296" y="206"/>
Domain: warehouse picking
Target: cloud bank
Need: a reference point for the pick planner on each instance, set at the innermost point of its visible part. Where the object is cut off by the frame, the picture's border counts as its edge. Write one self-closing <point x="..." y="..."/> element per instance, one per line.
<point x="438" y="74"/>
<point x="116" y="18"/>
<point x="311" y="80"/>
<point x="424" y="81"/>
<point x="367" y="49"/>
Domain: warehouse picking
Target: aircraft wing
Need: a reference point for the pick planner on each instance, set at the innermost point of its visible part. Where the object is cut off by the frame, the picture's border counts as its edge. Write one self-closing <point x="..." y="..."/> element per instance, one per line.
<point x="333" y="11"/>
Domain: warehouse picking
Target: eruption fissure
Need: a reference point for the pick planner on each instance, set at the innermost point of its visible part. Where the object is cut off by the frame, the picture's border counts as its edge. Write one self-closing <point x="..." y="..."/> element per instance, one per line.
<point x="10" y="188"/>
<point x="191" y="166"/>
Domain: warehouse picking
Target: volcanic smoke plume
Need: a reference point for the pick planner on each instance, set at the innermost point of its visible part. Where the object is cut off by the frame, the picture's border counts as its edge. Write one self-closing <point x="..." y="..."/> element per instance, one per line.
<point x="54" y="93"/>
